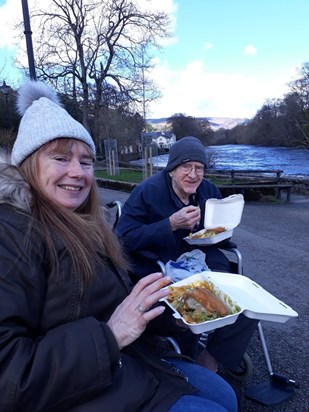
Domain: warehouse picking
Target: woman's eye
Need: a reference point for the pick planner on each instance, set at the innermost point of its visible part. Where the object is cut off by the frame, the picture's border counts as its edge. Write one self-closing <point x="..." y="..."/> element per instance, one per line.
<point x="87" y="163"/>
<point x="61" y="159"/>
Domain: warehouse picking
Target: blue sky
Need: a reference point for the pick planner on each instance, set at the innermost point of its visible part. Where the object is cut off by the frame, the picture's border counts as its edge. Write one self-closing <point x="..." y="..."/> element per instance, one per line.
<point x="229" y="56"/>
<point x="225" y="59"/>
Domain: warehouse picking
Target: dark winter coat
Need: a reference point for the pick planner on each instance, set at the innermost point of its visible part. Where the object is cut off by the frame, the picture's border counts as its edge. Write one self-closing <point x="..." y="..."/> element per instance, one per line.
<point x="56" y="351"/>
<point x="146" y="233"/>
<point x="144" y="225"/>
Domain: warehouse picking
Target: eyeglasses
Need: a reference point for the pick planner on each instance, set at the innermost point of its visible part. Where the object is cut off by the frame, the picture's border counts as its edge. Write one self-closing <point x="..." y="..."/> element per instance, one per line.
<point x="187" y="169"/>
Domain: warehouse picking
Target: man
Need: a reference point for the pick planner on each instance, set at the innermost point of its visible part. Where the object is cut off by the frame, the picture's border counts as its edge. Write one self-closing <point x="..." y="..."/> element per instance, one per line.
<point x="159" y="213"/>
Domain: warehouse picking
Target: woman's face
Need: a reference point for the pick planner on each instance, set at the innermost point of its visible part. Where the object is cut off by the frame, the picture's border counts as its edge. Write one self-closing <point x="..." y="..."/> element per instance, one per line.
<point x="66" y="176"/>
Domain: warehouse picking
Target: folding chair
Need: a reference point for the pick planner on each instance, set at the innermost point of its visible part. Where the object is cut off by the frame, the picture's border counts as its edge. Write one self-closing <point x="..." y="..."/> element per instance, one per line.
<point x="279" y="388"/>
<point x="118" y="205"/>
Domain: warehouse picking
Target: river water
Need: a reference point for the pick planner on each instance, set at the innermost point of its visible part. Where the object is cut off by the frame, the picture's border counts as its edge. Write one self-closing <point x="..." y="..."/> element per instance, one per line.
<point x="294" y="162"/>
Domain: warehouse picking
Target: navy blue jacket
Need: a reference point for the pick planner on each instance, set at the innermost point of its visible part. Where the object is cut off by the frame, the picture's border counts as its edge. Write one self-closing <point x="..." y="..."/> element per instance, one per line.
<point x="145" y="229"/>
<point x="147" y="236"/>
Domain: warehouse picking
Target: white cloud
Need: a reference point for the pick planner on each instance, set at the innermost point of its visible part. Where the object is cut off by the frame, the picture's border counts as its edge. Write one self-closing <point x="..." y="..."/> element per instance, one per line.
<point x="9" y="15"/>
<point x="195" y="92"/>
<point x="208" y="46"/>
<point x="167" y="6"/>
<point x="250" y="50"/>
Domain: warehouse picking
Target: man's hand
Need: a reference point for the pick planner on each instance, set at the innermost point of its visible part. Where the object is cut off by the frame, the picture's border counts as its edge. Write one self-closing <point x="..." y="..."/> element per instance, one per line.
<point x="185" y="218"/>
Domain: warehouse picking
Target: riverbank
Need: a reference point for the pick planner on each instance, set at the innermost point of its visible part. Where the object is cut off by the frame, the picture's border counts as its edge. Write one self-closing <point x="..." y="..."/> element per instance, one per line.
<point x="252" y="192"/>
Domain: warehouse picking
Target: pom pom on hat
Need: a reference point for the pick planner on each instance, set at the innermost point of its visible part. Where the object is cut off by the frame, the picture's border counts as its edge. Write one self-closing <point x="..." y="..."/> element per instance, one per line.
<point x="187" y="149"/>
<point x="32" y="91"/>
<point x="43" y="120"/>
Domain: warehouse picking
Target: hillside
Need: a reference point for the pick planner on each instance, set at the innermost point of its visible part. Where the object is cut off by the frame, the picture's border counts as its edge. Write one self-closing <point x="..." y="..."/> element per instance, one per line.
<point x="215" y="122"/>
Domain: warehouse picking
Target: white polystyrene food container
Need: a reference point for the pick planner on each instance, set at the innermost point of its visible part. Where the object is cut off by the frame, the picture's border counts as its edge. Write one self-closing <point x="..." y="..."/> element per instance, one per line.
<point x="226" y="212"/>
<point x="254" y="301"/>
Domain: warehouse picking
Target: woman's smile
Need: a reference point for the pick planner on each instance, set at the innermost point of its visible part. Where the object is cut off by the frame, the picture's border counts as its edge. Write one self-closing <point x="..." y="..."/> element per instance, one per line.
<point x="66" y="177"/>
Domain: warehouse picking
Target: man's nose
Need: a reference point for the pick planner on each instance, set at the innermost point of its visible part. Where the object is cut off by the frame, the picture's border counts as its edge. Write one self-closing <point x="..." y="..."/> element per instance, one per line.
<point x="193" y="171"/>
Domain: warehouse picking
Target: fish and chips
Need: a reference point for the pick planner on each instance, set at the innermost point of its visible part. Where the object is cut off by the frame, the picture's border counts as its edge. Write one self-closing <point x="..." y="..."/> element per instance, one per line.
<point x="199" y="302"/>
<point x="207" y="233"/>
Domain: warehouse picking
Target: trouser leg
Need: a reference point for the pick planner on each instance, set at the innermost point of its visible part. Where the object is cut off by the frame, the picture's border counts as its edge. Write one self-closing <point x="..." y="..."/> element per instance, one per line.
<point x="210" y="387"/>
<point x="217" y="260"/>
<point x="228" y="344"/>
<point x="188" y="343"/>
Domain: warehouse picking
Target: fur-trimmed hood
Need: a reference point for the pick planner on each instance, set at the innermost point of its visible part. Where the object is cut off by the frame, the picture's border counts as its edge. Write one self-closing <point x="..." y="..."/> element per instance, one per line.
<point x="13" y="188"/>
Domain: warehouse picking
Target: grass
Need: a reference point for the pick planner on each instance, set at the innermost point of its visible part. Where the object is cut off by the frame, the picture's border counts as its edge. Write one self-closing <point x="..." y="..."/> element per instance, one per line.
<point x="125" y="175"/>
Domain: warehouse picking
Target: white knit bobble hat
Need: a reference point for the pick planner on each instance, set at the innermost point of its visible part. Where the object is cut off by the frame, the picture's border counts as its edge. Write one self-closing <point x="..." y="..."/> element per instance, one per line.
<point x="43" y="120"/>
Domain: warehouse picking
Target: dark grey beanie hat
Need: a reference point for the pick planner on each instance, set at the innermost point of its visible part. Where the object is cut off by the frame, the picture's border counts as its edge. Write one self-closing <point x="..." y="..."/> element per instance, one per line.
<point x="187" y="149"/>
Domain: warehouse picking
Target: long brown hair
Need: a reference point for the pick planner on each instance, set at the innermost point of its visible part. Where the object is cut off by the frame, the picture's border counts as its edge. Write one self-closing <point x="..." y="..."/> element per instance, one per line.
<point x="84" y="232"/>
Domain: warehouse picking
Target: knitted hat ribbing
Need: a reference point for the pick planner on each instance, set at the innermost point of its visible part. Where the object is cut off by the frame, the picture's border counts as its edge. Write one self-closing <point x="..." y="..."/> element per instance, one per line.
<point x="187" y="149"/>
<point x="43" y="120"/>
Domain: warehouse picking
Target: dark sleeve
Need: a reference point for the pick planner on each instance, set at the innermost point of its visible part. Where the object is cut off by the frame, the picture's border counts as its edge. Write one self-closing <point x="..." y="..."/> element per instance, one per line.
<point x="165" y="325"/>
<point x="218" y="194"/>
<point x="136" y="228"/>
<point x="43" y="370"/>
<point x="208" y="190"/>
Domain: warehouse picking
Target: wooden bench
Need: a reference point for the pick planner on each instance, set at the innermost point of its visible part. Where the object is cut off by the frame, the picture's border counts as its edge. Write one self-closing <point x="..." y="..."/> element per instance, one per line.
<point x="241" y="188"/>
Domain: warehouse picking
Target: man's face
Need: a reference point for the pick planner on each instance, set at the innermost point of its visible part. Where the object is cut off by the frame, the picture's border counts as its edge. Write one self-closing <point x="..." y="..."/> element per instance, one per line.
<point x="187" y="177"/>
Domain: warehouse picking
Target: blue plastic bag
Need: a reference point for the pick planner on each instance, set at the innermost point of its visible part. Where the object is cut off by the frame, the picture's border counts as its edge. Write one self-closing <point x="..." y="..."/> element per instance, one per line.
<point x="186" y="265"/>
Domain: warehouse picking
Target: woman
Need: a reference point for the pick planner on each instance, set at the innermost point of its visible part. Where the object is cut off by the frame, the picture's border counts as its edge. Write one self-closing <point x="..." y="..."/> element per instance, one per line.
<point x="74" y="335"/>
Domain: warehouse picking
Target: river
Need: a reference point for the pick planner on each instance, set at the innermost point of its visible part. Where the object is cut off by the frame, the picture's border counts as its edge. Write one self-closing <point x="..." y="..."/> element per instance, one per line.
<point x="294" y="162"/>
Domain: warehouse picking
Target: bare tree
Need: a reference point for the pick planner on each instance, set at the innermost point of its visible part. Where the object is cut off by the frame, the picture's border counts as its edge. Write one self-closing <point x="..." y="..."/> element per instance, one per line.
<point x="296" y="115"/>
<point x="86" y="44"/>
<point x="299" y="99"/>
<point x="300" y="86"/>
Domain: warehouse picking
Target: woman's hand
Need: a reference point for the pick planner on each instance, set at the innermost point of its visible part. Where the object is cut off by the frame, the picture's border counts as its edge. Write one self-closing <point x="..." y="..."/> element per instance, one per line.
<point x="131" y="317"/>
<point x="186" y="218"/>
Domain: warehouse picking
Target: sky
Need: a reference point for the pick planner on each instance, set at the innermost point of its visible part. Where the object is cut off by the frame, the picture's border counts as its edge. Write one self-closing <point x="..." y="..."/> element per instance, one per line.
<point x="226" y="58"/>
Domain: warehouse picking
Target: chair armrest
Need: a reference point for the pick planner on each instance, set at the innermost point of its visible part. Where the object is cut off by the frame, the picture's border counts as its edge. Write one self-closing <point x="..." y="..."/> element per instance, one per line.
<point x="227" y="244"/>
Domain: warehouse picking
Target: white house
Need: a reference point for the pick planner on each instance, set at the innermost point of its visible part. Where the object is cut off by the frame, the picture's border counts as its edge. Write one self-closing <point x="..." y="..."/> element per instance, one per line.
<point x="163" y="140"/>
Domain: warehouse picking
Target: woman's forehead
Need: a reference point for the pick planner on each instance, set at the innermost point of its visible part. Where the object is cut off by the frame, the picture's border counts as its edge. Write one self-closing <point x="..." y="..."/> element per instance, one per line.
<point x="65" y="146"/>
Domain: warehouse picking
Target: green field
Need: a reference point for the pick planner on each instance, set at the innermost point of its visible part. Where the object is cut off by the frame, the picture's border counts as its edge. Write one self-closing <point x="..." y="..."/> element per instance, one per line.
<point x="125" y="175"/>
